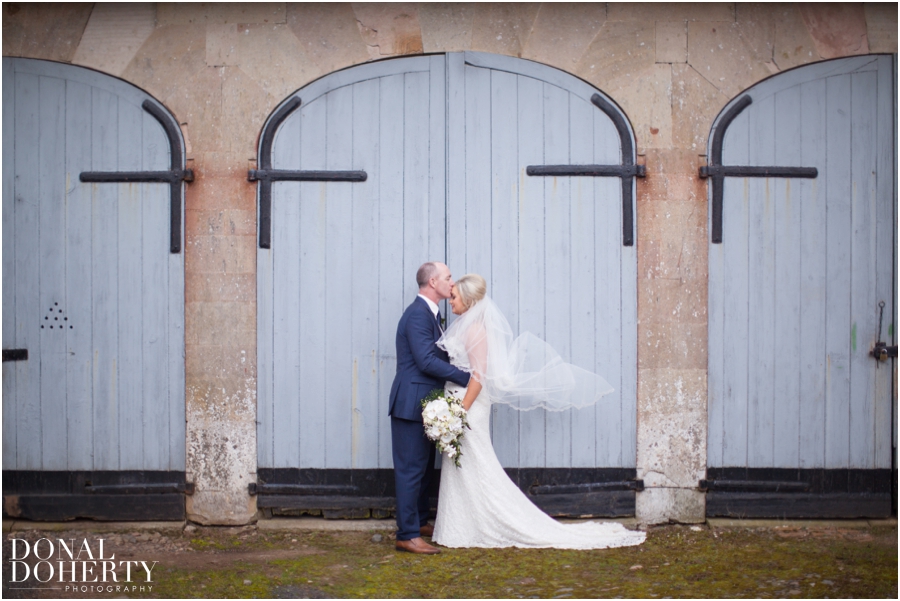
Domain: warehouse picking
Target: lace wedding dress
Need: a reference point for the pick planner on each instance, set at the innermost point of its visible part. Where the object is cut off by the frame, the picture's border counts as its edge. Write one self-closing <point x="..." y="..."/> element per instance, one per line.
<point x="478" y="505"/>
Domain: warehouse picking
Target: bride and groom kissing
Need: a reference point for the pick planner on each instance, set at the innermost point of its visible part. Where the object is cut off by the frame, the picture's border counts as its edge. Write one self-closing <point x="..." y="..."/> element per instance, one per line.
<point x="478" y="360"/>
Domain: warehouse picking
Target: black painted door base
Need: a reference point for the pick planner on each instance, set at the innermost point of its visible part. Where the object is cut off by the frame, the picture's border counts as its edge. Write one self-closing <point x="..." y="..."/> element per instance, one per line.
<point x="101" y="495"/>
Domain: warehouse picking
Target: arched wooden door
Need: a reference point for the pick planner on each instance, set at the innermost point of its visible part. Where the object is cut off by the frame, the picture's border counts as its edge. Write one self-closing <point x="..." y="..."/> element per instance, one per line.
<point x="93" y="297"/>
<point x="433" y="153"/>
<point x="800" y="413"/>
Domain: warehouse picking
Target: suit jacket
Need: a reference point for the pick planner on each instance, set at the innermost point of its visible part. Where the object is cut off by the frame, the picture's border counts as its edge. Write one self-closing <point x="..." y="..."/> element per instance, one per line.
<point x="421" y="365"/>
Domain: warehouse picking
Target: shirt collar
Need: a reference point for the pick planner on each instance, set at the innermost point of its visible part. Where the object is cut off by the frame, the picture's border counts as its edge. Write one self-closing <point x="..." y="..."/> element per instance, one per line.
<point x="431" y="305"/>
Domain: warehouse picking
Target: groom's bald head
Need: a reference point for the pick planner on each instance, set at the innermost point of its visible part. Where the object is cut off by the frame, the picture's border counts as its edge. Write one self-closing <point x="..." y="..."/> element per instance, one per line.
<point x="434" y="281"/>
<point x="426" y="272"/>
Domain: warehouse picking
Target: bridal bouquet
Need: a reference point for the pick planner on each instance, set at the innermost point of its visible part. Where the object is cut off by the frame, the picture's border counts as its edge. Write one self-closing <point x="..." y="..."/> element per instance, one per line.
<point x="444" y="419"/>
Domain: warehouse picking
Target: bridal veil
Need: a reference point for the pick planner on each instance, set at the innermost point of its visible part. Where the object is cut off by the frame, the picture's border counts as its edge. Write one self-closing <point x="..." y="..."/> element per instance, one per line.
<point x="524" y="373"/>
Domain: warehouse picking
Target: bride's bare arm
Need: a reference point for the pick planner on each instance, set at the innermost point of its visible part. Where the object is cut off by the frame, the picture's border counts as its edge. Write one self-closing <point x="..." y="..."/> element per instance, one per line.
<point x="476" y="345"/>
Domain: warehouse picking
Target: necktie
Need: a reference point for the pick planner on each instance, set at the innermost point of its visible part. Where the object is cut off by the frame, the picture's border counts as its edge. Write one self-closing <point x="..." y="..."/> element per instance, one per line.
<point x="438" y="318"/>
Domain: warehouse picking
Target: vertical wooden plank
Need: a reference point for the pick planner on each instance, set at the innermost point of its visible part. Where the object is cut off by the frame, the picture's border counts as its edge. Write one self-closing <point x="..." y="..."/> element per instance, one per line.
<point x="813" y="275"/>
<point x="456" y="166"/>
<point x="313" y="366"/>
<point x="51" y="225"/>
<point x="557" y="257"/>
<point x="78" y="278"/>
<point x="287" y="359"/>
<point x="837" y="312"/>
<point x="789" y="346"/>
<point x="129" y="297"/>
<point x="154" y="289"/>
<point x="175" y="335"/>
<point x="863" y="277"/>
<point x="9" y="263"/>
<point x="393" y="272"/>
<point x="505" y="239"/>
<point x="27" y="259"/>
<point x="582" y="277"/>
<point x="338" y="275"/>
<point x="366" y="403"/>
<point x="885" y="235"/>
<point x="532" y="450"/>
<point x="415" y="177"/>
<point x="478" y="173"/>
<point x="104" y="250"/>
<point x="761" y="340"/>
<point x="735" y="247"/>
<point x="615" y="308"/>
<point x="436" y="137"/>
<point x="265" y="353"/>
<point x="715" y="371"/>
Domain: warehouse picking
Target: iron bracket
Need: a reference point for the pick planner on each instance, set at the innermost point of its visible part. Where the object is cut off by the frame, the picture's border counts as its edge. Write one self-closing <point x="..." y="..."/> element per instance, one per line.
<point x="627" y="171"/>
<point x="717" y="172"/>
<point x="753" y="486"/>
<point x="15" y="354"/>
<point x="573" y="489"/>
<point x="174" y="177"/>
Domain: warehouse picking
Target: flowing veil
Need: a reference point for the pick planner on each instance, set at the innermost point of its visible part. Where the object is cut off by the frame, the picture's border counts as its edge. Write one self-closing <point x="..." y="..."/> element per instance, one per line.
<point x="524" y="373"/>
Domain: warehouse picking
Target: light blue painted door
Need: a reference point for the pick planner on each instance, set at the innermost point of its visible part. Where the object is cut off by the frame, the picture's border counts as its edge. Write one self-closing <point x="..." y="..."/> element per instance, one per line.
<point x="90" y="288"/>
<point x="795" y="285"/>
<point x="445" y="141"/>
<point x="550" y="248"/>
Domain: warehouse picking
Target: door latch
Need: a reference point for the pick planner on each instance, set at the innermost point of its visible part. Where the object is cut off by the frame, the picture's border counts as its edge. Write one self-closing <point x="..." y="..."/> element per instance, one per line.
<point x="881" y="350"/>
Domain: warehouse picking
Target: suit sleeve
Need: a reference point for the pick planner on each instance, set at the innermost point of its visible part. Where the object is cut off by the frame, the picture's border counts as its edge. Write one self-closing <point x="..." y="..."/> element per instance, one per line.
<point x="419" y="334"/>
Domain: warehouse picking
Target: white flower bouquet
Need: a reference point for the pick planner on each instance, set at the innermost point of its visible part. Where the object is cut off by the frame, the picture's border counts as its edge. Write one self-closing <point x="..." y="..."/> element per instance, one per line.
<point x="444" y="419"/>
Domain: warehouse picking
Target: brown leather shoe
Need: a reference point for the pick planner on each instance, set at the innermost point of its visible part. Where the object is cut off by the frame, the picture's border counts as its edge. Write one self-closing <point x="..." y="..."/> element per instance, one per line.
<point x="416" y="545"/>
<point x="427" y="530"/>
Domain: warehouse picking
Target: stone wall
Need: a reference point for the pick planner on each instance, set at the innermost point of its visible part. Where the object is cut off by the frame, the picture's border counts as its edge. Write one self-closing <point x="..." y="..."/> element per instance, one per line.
<point x="221" y="69"/>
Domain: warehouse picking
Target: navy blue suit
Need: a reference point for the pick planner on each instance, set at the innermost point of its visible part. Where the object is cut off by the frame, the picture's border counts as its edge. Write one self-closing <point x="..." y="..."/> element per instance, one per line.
<point x="421" y="367"/>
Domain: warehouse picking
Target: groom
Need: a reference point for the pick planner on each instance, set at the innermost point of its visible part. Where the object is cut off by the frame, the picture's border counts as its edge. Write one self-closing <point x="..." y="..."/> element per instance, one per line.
<point x="421" y="367"/>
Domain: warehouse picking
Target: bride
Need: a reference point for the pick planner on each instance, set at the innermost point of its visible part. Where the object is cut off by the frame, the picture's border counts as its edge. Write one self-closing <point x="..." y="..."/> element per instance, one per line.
<point x="479" y="506"/>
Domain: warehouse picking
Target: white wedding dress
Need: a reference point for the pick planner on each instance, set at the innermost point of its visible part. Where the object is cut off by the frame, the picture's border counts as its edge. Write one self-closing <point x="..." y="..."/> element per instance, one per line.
<point x="478" y="505"/>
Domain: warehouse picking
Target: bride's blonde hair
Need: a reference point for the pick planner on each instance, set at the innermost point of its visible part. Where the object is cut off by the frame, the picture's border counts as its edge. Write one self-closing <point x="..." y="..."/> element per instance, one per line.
<point x="471" y="288"/>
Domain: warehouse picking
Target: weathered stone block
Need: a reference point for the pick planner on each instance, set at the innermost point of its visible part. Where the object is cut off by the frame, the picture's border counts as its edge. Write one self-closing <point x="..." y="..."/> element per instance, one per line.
<point x="695" y="105"/>
<point x="219" y="287"/>
<point x="113" y="35"/>
<point x="793" y="44"/>
<point x="208" y="192"/>
<point x="563" y="31"/>
<point x="731" y="56"/>
<point x="663" y="505"/>
<point x="169" y="61"/>
<point x="672" y="427"/>
<point x="672" y="220"/>
<point x="222" y="324"/>
<point x="678" y="300"/>
<point x="647" y="102"/>
<point x="446" y="26"/>
<point x="620" y="56"/>
<point x="51" y="31"/>
<point x="221" y="254"/>
<point x="881" y="26"/>
<point x="389" y="29"/>
<point x="247" y="101"/>
<point x="206" y="13"/>
<point x="837" y="29"/>
<point x="329" y="34"/>
<point x="503" y="28"/>
<point x="666" y="344"/>
<point x="682" y="259"/>
<point x="671" y="11"/>
<point x="671" y="42"/>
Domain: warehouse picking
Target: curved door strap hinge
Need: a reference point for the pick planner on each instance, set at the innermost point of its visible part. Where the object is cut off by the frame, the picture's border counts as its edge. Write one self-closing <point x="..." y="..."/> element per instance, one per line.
<point x="174" y="177"/>
<point x="717" y="172"/>
<point x="627" y="171"/>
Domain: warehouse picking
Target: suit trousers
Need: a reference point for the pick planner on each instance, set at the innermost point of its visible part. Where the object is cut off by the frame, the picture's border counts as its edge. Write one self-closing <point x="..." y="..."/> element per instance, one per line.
<point x="413" y="471"/>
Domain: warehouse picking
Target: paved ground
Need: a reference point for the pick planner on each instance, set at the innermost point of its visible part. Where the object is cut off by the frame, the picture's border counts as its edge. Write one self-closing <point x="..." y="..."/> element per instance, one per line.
<point x="314" y="558"/>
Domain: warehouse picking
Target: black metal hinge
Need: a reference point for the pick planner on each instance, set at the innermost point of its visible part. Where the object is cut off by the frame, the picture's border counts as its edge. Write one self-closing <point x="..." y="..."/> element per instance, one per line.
<point x="718" y="172"/>
<point x="573" y="489"/>
<point x="627" y="171"/>
<point x="174" y="177"/>
<point x="261" y="488"/>
<point x="15" y="354"/>
<point x="141" y="489"/>
<point x="266" y="175"/>
<point x="753" y="486"/>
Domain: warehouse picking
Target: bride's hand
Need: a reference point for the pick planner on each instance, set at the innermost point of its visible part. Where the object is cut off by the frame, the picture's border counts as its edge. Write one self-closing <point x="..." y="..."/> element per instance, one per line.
<point x="472" y="393"/>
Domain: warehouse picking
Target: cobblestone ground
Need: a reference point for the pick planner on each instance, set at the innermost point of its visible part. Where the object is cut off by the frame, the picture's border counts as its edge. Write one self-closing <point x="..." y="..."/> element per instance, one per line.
<point x="675" y="561"/>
